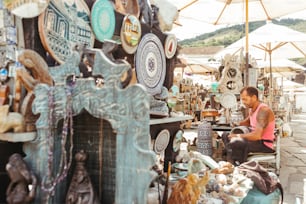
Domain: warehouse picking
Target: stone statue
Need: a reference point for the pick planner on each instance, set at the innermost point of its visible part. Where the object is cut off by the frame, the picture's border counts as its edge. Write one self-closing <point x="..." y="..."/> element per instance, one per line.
<point x="81" y="189"/>
<point x="22" y="187"/>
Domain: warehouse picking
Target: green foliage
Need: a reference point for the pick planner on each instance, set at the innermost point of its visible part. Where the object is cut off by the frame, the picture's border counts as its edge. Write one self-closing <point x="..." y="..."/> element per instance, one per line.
<point x="227" y="36"/>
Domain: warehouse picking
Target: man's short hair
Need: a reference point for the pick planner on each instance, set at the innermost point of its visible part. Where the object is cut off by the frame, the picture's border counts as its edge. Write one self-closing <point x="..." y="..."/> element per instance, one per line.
<point x="251" y="91"/>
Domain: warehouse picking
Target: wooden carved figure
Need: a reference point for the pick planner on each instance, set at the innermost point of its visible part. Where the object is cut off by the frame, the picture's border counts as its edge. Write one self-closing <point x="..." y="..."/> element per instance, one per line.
<point x="35" y="71"/>
<point x="38" y="68"/>
<point x="18" y="191"/>
<point x="81" y="189"/>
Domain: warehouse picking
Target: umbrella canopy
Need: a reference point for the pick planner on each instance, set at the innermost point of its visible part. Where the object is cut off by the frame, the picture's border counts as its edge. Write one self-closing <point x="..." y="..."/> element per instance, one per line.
<point x="289" y="85"/>
<point x="284" y="66"/>
<point x="234" y="11"/>
<point x="194" y="66"/>
<point x="279" y="41"/>
<point x="237" y="11"/>
<point x="271" y="40"/>
<point x="196" y="69"/>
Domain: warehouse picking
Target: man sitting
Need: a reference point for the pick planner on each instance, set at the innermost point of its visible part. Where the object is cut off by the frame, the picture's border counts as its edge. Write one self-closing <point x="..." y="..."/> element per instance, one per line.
<point x="261" y="121"/>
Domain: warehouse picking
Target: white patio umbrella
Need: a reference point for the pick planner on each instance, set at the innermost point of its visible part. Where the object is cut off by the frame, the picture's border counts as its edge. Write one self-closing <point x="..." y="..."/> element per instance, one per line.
<point x="194" y="66"/>
<point x="236" y="11"/>
<point x="289" y="85"/>
<point x="271" y="41"/>
<point x="282" y="67"/>
<point x="196" y="69"/>
<point x="281" y="41"/>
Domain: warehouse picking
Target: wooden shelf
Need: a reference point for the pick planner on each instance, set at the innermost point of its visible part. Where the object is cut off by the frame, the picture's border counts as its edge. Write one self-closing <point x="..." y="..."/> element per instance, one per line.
<point x="18" y="137"/>
<point x="170" y="119"/>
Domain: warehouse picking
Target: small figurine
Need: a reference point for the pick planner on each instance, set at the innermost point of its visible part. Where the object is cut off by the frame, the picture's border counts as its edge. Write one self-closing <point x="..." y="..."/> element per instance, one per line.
<point x="81" y="190"/>
<point x="19" y="190"/>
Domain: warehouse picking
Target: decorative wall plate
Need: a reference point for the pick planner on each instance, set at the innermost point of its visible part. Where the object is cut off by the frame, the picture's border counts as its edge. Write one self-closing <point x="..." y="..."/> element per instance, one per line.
<point x="63" y="25"/>
<point x="150" y="63"/>
<point x="130" y="33"/>
<point x="103" y="20"/>
<point x="25" y="8"/>
<point x="178" y="138"/>
<point x="170" y="45"/>
<point x="228" y="100"/>
<point x="126" y="7"/>
<point x="162" y="141"/>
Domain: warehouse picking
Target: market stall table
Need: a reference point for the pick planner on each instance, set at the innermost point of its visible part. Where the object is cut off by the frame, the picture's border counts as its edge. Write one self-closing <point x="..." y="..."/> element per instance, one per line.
<point x="172" y="124"/>
<point x="224" y="128"/>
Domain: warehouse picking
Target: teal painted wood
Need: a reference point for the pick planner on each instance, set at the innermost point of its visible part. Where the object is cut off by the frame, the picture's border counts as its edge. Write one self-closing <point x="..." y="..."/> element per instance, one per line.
<point x="127" y="110"/>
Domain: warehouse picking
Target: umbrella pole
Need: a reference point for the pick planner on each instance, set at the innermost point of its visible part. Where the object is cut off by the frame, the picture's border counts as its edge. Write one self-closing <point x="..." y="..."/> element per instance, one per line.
<point x="246" y="77"/>
<point x="271" y="81"/>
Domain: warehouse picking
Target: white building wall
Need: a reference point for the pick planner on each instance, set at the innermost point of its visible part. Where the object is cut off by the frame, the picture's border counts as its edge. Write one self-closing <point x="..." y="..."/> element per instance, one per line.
<point x="300" y="101"/>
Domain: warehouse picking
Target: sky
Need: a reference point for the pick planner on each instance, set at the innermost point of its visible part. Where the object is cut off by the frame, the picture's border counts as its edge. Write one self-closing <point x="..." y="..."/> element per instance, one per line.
<point x="198" y="27"/>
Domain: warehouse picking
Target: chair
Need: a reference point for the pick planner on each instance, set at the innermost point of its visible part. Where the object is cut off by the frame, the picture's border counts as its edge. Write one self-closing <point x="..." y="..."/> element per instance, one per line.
<point x="271" y="161"/>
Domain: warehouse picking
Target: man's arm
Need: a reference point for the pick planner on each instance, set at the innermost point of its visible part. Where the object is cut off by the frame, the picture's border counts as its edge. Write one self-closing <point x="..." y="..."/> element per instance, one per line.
<point x="263" y="117"/>
<point x="262" y="122"/>
<point x="245" y="122"/>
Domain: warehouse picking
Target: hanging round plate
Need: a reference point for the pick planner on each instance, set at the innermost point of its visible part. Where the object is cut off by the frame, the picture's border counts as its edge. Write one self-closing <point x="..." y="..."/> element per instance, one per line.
<point x="63" y="25"/>
<point x="26" y="9"/>
<point x="170" y="45"/>
<point x="130" y="33"/>
<point x="228" y="100"/>
<point x="127" y="7"/>
<point x="150" y="63"/>
<point x="161" y="141"/>
<point x="103" y="20"/>
<point x="177" y="140"/>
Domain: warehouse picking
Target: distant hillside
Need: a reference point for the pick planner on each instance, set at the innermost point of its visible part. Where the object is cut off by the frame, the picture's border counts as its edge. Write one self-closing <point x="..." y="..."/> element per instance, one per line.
<point x="226" y="36"/>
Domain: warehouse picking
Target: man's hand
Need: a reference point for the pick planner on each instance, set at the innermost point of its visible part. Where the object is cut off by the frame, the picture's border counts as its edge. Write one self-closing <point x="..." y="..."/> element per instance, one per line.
<point x="231" y="136"/>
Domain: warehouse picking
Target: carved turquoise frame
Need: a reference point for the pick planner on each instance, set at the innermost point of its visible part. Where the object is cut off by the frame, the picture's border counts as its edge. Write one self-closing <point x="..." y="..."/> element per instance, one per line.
<point x="126" y="109"/>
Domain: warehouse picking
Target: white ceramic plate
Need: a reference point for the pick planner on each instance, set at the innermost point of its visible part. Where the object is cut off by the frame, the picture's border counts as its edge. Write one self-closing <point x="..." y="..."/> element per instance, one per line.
<point x="228" y="100"/>
<point x="162" y="141"/>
